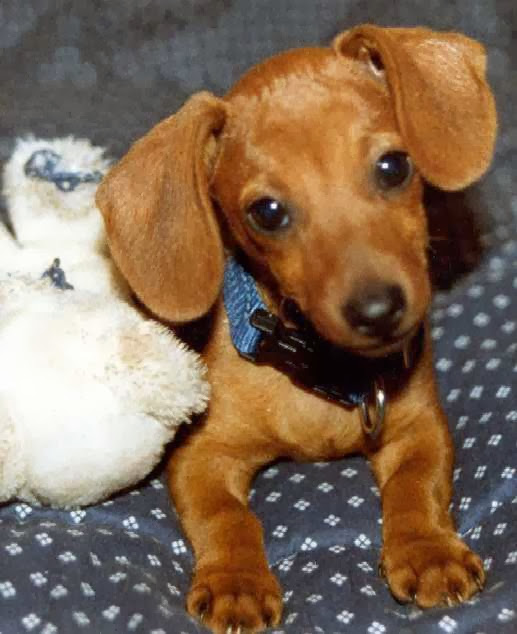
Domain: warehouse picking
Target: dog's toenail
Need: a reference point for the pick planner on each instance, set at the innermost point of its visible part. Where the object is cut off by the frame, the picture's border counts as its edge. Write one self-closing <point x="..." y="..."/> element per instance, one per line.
<point x="459" y="597"/>
<point x="479" y="581"/>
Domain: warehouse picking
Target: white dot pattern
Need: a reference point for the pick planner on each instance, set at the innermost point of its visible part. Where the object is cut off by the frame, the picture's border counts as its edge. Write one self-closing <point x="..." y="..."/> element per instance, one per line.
<point x="125" y="565"/>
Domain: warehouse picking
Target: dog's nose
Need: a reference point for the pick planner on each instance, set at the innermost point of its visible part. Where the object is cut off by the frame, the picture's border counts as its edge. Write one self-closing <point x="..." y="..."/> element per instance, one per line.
<point x="376" y="309"/>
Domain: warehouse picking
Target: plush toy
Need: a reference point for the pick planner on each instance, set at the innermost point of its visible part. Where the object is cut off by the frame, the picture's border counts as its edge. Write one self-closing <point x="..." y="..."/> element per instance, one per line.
<point x="90" y="389"/>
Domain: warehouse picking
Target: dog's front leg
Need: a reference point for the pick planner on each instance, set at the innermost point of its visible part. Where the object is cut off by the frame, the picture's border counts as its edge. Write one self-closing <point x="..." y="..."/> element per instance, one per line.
<point x="423" y="559"/>
<point x="233" y="589"/>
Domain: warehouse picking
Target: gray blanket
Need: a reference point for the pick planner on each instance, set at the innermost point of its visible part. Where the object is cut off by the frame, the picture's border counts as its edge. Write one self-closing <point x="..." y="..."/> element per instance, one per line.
<point x="125" y="565"/>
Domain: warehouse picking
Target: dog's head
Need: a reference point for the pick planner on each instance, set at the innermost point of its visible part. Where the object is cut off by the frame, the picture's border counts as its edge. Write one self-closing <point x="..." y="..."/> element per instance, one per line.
<point x="315" y="159"/>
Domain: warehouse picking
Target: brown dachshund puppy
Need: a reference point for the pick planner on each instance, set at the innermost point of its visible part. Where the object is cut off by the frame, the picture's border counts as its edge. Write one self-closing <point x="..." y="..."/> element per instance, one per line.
<point x="312" y="167"/>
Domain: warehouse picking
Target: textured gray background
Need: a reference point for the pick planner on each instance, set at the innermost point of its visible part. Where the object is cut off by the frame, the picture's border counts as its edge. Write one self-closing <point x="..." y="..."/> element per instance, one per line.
<point x="109" y="70"/>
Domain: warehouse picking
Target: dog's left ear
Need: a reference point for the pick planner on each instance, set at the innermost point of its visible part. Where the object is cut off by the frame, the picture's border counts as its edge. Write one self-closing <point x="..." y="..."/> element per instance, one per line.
<point x="444" y="106"/>
<point x="160" y="220"/>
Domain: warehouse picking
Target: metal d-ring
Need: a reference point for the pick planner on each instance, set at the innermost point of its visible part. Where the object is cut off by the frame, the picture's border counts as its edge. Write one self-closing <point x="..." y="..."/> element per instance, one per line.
<point x="372" y="427"/>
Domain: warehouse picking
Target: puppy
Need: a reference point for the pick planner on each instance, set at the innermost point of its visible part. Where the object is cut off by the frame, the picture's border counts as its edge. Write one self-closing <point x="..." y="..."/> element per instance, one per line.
<point x="310" y="171"/>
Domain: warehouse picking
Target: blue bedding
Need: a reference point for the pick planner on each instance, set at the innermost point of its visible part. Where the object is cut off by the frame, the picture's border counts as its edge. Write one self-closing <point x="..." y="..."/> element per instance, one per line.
<point x="125" y="566"/>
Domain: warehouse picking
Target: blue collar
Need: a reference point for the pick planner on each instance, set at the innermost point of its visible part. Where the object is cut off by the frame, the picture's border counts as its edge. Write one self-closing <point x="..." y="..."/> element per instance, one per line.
<point x="241" y="300"/>
<point x="307" y="359"/>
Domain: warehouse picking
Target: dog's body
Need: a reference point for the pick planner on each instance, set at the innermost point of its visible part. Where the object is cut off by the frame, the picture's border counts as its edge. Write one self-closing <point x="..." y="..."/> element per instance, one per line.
<point x="295" y="157"/>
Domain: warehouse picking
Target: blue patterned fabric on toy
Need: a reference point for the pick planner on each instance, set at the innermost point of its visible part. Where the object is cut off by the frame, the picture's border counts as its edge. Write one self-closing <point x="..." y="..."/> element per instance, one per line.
<point x="44" y="165"/>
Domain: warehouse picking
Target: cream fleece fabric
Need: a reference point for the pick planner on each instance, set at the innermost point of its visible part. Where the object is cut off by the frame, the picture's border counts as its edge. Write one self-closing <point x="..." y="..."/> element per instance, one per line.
<point x="90" y="390"/>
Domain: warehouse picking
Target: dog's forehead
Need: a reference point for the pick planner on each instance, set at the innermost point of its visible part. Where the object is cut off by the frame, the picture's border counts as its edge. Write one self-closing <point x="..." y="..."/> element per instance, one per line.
<point x="309" y="110"/>
<point x="296" y="78"/>
<point x="302" y="63"/>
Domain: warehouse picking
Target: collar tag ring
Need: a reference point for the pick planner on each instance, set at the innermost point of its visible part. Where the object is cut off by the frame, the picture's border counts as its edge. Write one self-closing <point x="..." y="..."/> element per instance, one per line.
<point x="372" y="426"/>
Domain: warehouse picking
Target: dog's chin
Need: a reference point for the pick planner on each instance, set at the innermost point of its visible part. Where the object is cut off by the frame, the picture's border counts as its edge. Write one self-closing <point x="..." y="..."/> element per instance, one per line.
<point x="376" y="349"/>
<point x="369" y="348"/>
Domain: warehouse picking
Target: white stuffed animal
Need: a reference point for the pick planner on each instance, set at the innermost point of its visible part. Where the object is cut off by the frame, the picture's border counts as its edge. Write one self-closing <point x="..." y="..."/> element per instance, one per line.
<point x="90" y="389"/>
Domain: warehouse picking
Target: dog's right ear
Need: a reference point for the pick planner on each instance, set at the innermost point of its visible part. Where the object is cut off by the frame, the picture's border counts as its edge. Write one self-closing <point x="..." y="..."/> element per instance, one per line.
<point x="443" y="103"/>
<point x="159" y="218"/>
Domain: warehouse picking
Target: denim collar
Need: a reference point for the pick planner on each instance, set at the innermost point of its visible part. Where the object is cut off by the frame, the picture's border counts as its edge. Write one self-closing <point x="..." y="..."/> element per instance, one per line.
<point x="241" y="300"/>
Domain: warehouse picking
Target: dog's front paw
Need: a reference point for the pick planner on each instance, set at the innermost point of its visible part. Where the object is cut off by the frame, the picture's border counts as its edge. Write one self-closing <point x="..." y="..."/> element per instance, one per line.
<point x="235" y="601"/>
<point x="432" y="570"/>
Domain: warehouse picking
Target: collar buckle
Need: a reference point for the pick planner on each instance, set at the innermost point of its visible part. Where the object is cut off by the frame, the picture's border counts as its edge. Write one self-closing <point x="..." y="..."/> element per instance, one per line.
<point x="281" y="345"/>
<point x="307" y="360"/>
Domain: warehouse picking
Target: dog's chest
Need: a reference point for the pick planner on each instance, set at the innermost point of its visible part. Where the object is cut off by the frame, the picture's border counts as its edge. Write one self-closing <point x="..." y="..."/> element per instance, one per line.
<point x="251" y="402"/>
<point x="313" y="427"/>
<point x="256" y="402"/>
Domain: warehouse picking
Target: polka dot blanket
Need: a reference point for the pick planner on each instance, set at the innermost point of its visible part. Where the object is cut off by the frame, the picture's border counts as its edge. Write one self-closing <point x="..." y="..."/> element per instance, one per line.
<point x="124" y="566"/>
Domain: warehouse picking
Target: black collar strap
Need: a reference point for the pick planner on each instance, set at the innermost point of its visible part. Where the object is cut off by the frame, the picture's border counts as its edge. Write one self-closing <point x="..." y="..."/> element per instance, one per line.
<point x="310" y="361"/>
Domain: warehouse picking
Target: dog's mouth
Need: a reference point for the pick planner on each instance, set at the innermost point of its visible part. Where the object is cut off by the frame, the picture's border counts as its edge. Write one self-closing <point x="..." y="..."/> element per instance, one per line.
<point x="376" y="349"/>
<point x="387" y="346"/>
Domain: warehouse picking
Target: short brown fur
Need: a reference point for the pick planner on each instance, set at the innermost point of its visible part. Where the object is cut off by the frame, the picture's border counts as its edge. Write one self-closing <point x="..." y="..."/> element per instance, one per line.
<point x="306" y="127"/>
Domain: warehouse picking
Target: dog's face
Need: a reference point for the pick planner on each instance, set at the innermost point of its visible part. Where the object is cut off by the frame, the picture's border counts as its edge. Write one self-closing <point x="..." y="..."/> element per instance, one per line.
<point x="317" y="184"/>
<point x="316" y="159"/>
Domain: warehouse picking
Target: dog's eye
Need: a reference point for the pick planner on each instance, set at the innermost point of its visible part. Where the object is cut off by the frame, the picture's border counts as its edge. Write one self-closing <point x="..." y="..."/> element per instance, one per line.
<point x="267" y="214"/>
<point x="393" y="170"/>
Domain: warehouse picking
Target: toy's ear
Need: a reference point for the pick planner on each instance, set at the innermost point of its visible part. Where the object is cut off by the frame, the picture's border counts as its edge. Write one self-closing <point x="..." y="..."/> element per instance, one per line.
<point x="444" y="106"/>
<point x="159" y="218"/>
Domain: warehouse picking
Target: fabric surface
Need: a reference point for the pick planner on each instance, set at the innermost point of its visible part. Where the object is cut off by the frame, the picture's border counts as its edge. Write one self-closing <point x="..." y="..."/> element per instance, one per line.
<point x="125" y="565"/>
<point x="109" y="71"/>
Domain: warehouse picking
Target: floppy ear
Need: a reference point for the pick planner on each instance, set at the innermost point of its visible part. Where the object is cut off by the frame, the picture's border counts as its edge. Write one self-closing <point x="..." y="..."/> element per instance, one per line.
<point x="161" y="226"/>
<point x="444" y="106"/>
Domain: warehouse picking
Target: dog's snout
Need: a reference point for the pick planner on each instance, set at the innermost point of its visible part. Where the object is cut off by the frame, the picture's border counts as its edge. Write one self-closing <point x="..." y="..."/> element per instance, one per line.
<point x="375" y="309"/>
